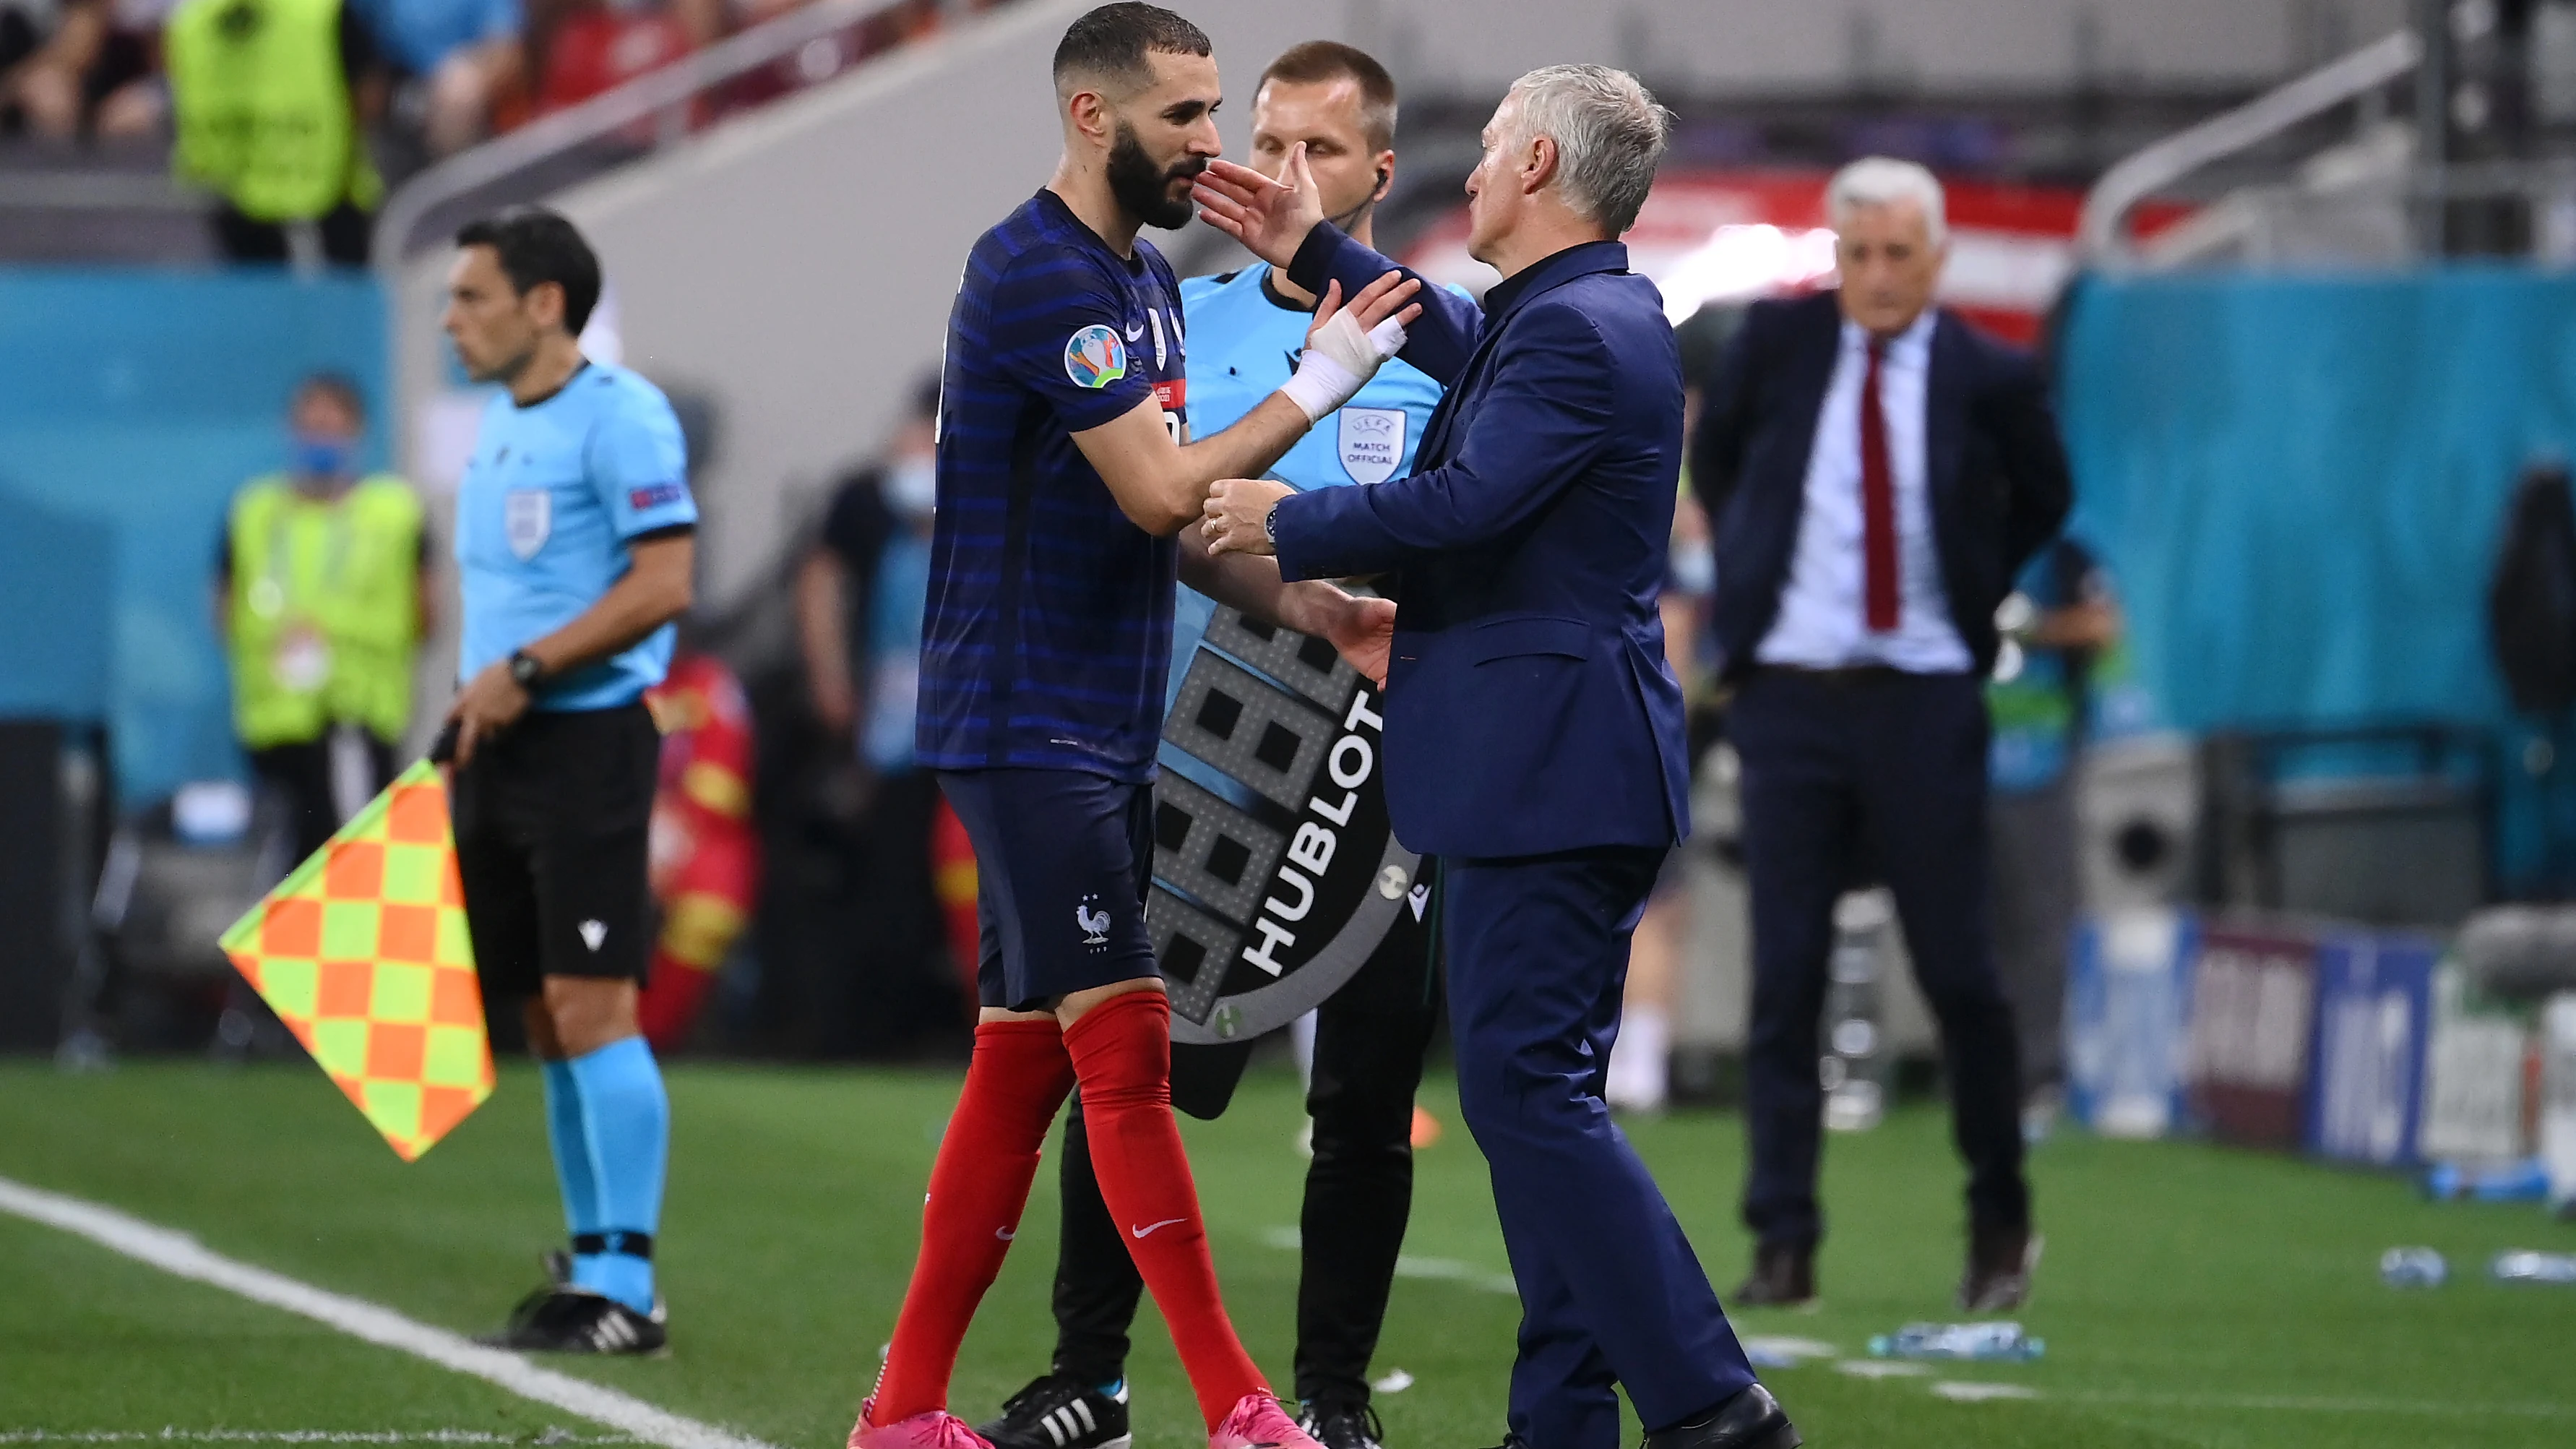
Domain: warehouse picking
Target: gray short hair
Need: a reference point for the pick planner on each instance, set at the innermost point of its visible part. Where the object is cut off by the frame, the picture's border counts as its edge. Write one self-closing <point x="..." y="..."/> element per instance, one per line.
<point x="1882" y="180"/>
<point x="1609" y="133"/>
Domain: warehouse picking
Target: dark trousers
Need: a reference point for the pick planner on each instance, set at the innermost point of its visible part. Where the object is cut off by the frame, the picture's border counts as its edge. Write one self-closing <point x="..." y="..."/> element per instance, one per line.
<point x="345" y="232"/>
<point x="1611" y="1292"/>
<point x="1846" y="775"/>
<point x="324" y="781"/>
<point x="1369" y="1040"/>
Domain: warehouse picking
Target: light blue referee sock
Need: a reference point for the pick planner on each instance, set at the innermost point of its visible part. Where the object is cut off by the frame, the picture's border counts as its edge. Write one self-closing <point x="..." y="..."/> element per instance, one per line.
<point x="628" y="1121"/>
<point x="571" y="1143"/>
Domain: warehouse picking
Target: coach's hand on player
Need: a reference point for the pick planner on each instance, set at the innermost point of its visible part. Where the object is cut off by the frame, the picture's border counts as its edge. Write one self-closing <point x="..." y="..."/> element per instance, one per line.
<point x="1269" y="216"/>
<point x="489" y="703"/>
<point x="1236" y="518"/>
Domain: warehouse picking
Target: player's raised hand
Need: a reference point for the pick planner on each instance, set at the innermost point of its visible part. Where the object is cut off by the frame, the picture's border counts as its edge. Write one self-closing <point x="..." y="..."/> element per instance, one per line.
<point x="1347" y="345"/>
<point x="1390" y="296"/>
<point x="1270" y="217"/>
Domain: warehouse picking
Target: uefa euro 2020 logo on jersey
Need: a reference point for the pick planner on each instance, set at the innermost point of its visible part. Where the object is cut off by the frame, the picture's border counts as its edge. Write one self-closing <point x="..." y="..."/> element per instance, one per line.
<point x="1094" y="357"/>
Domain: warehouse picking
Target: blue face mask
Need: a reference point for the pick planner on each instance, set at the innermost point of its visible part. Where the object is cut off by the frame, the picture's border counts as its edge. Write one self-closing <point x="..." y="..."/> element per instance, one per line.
<point x="319" y="457"/>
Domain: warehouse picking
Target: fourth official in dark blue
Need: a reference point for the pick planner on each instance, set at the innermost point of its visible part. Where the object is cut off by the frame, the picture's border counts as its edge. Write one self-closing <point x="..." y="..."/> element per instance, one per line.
<point x="1876" y="473"/>
<point x="1534" y="736"/>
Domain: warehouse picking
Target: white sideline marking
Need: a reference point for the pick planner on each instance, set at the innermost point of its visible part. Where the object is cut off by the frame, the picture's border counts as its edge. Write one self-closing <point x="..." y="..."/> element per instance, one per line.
<point x="175" y="1435"/>
<point x="1974" y="1393"/>
<point x="1451" y="1270"/>
<point x="179" y="1254"/>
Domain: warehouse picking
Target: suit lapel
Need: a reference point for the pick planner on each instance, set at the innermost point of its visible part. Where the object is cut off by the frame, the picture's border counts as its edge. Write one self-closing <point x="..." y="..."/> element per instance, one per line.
<point x="1810" y="375"/>
<point x="1944" y="415"/>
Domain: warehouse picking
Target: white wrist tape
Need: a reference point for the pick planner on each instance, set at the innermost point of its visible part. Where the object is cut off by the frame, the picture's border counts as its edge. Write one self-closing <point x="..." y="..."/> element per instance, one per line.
<point x="1338" y="361"/>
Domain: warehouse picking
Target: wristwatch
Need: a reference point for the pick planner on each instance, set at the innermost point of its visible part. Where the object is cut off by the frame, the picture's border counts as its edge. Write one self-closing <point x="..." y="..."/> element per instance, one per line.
<point x="525" y="668"/>
<point x="1270" y="524"/>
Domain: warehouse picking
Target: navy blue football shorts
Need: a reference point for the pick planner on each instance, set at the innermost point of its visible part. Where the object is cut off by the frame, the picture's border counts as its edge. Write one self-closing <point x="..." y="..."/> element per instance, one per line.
<point x="1062" y="863"/>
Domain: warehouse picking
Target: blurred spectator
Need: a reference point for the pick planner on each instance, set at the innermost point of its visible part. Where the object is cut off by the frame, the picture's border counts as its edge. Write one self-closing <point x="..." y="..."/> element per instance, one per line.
<point x="74" y="67"/>
<point x="271" y="100"/>
<point x="2058" y="622"/>
<point x="322" y="597"/>
<point x="859" y="600"/>
<point x="1876" y="473"/>
<point x="1640" y="1078"/>
<point x="453" y="62"/>
<point x="704" y="865"/>
<point x="580" y="48"/>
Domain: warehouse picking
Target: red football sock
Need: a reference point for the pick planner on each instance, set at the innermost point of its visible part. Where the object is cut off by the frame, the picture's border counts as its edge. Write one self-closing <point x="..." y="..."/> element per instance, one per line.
<point x="1016" y="1080"/>
<point x="1122" y="1054"/>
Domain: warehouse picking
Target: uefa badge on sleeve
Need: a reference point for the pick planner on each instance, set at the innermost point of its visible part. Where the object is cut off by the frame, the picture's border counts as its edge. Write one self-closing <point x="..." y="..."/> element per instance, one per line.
<point x="1094" y="357"/>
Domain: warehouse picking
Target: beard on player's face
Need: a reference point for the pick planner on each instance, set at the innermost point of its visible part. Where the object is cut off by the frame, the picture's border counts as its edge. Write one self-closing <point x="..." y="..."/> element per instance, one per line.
<point x="1146" y="189"/>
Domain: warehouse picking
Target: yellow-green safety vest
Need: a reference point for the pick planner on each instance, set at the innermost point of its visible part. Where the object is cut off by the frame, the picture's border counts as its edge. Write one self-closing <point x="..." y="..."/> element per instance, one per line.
<point x="262" y="107"/>
<point x="325" y="609"/>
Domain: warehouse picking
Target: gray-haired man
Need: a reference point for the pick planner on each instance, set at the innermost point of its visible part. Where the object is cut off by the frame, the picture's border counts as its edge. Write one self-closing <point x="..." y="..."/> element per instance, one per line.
<point x="1533" y="731"/>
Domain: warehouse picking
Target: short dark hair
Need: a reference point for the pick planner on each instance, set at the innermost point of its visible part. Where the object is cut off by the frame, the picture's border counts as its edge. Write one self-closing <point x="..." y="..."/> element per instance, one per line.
<point x="1113" y="41"/>
<point x="1319" y="62"/>
<point x="536" y="246"/>
<point x="338" y="386"/>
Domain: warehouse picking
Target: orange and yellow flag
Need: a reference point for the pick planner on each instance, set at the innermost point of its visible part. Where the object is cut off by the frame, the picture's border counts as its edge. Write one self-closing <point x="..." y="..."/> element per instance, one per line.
<point x="362" y="952"/>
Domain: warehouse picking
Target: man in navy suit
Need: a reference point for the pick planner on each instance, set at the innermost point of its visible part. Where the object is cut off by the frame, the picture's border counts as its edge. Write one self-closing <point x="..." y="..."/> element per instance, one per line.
<point x="1533" y="731"/>
<point x="1876" y="474"/>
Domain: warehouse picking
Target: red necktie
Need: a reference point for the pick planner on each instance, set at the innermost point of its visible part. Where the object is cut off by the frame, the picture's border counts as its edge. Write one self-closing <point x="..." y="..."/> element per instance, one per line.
<point x="1877" y="506"/>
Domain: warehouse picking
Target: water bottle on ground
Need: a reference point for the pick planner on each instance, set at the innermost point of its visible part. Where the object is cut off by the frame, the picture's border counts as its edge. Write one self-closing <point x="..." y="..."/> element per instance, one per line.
<point x="2522" y="1265"/>
<point x="2413" y="1268"/>
<point x="1983" y="1342"/>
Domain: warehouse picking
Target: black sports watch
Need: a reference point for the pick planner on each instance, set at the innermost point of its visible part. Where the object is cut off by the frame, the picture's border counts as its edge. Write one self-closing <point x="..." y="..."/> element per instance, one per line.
<point x="525" y="668"/>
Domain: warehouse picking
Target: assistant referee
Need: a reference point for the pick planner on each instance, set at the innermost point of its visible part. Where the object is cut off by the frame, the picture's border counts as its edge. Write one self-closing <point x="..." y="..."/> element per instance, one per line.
<point x="573" y="547"/>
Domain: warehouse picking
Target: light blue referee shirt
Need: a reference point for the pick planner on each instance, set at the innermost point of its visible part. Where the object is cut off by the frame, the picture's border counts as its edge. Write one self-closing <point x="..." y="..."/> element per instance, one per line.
<point x="554" y="496"/>
<point x="1244" y="341"/>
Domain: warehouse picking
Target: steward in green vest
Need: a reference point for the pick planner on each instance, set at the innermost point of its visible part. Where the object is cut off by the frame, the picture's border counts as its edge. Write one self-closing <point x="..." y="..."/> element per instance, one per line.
<point x="260" y="96"/>
<point x="322" y="605"/>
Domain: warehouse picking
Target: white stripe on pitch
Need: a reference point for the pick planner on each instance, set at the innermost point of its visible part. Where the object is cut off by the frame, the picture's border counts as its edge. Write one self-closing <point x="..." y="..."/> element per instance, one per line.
<point x="179" y="1254"/>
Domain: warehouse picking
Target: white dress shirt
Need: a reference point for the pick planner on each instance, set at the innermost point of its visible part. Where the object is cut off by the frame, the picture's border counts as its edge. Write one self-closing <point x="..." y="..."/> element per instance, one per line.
<point x="1822" y="623"/>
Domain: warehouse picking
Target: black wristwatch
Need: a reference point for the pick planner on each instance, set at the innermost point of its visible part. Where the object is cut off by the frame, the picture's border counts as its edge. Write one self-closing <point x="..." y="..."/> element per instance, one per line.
<point x="525" y="669"/>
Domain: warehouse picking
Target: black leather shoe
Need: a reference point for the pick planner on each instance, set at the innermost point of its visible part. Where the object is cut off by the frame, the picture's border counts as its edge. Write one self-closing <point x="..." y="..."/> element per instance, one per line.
<point x="1784" y="1276"/>
<point x="1750" y="1420"/>
<point x="2000" y="1264"/>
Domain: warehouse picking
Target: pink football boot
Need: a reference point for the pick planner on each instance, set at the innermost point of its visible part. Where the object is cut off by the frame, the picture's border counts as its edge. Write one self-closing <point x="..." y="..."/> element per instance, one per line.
<point x="937" y="1429"/>
<point x="1258" y="1422"/>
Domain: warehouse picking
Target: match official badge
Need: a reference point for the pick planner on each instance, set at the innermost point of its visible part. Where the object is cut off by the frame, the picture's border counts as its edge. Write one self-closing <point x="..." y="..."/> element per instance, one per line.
<point x="1094" y="357"/>
<point x="1372" y="443"/>
<point x="527" y="517"/>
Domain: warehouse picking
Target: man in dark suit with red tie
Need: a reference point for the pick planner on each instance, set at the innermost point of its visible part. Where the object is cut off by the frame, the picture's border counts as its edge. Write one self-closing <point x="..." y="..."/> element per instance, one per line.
<point x="1877" y="473"/>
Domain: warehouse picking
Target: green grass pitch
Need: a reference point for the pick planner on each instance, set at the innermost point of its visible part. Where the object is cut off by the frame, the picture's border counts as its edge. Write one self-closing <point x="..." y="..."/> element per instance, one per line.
<point x="2191" y="1295"/>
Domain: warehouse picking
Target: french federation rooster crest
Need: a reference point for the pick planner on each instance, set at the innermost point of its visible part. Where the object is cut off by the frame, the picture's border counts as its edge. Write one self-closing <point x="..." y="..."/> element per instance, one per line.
<point x="1093" y="921"/>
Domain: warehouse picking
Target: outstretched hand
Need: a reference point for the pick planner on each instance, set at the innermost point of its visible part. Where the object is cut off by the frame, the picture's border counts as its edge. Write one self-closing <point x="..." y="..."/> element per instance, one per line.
<point x="1270" y="217"/>
<point x="1390" y="295"/>
<point x="1365" y="635"/>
